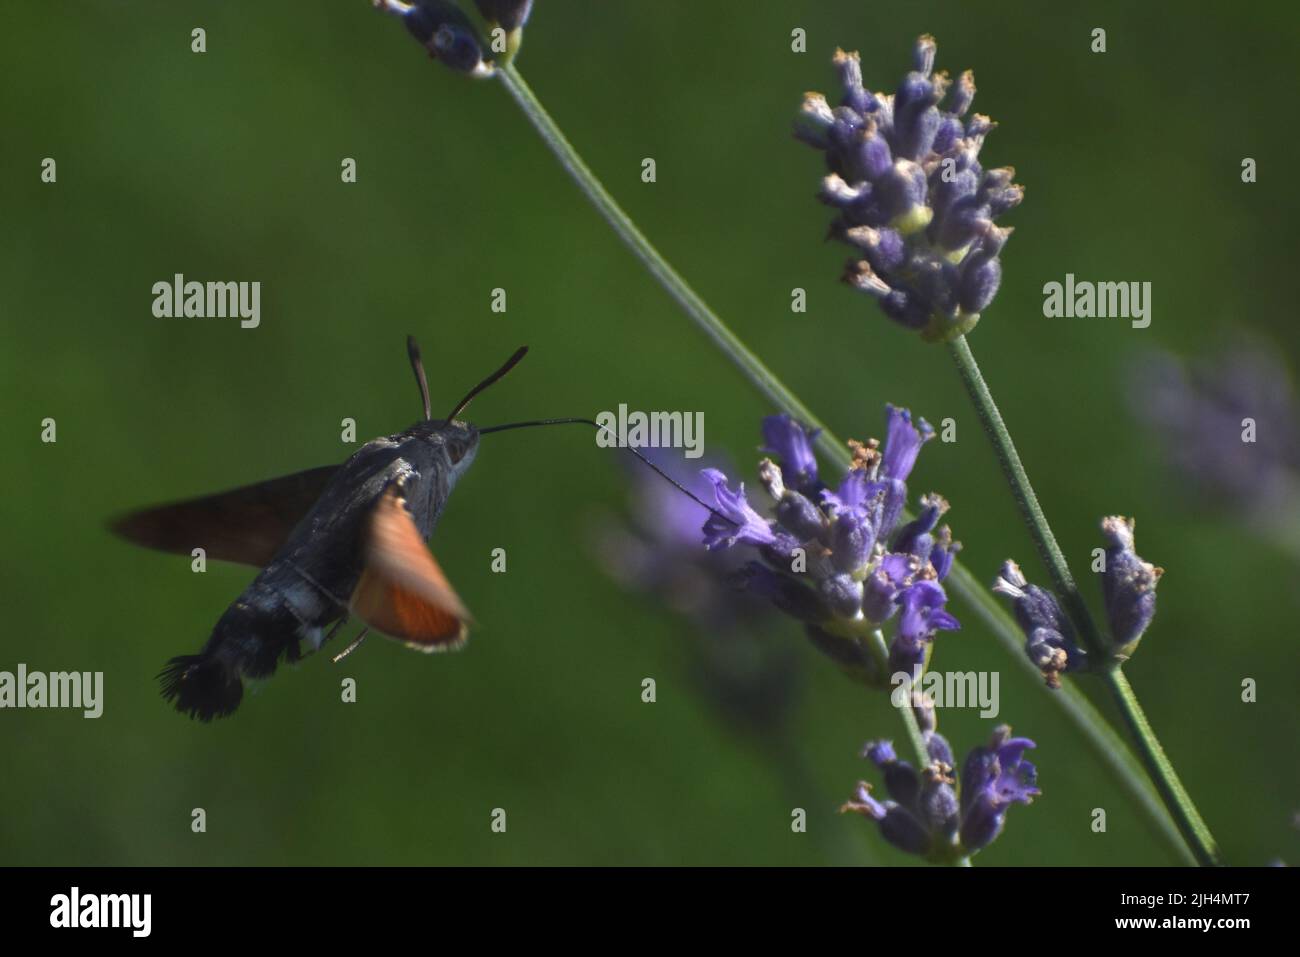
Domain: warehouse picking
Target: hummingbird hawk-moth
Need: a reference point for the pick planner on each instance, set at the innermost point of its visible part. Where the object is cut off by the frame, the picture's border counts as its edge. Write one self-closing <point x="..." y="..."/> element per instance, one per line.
<point x="331" y="542"/>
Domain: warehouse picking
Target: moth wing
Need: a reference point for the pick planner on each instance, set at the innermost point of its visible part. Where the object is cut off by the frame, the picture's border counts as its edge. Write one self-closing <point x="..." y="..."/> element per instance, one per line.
<point x="402" y="591"/>
<point x="246" y="525"/>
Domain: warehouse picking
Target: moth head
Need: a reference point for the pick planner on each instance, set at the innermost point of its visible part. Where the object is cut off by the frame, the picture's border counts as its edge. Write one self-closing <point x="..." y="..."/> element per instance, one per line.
<point x="459" y="446"/>
<point x="457" y="440"/>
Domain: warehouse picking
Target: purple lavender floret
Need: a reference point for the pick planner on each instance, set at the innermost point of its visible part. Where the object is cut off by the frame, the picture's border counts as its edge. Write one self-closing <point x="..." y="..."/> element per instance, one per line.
<point x="935" y="815"/>
<point x="791" y="445"/>
<point x="913" y="199"/>
<point x="836" y="559"/>
<point x="738" y="522"/>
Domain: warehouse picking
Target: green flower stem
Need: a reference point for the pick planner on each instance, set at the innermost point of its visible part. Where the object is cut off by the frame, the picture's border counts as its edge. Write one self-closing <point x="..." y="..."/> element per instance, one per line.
<point x="1108" y="747"/>
<point x="880" y="651"/>
<point x="1189" y="821"/>
<point x="1172" y="792"/>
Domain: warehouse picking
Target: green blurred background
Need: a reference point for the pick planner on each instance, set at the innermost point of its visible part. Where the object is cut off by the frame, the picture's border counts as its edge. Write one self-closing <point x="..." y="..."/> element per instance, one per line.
<point x="226" y="166"/>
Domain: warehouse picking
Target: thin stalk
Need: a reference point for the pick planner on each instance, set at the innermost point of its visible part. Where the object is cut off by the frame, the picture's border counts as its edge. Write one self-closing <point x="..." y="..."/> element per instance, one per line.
<point x="914" y="735"/>
<point x="1097" y="733"/>
<point x="880" y="652"/>
<point x="1175" y="796"/>
<point x="1173" y="793"/>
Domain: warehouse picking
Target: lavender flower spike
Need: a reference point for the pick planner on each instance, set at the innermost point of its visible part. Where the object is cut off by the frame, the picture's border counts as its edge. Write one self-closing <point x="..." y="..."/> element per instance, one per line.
<point x="1128" y="586"/>
<point x="837" y="560"/>
<point x="912" y="197"/>
<point x="932" y="814"/>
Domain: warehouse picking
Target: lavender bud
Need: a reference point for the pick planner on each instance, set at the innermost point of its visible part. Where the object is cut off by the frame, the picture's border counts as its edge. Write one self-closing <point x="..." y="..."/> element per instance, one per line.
<point x="884" y="248"/>
<point x="916" y="121"/>
<point x="861" y="277"/>
<point x="982" y="271"/>
<point x="813" y="122"/>
<point x="1049" y="636"/>
<point x="844" y="133"/>
<point x="447" y="34"/>
<point x="936" y="745"/>
<point x="908" y="311"/>
<point x="800" y="517"/>
<point x="843" y="595"/>
<point x="944" y="553"/>
<point x="901" y="828"/>
<point x="872" y="158"/>
<point x="780" y="552"/>
<point x="902" y="190"/>
<point x="852" y="538"/>
<point x="962" y="94"/>
<point x="849" y="67"/>
<point x="836" y="192"/>
<point x="878" y="593"/>
<point x="1128" y="586"/>
<point x="923" y="54"/>
<point x="914" y="537"/>
<point x="938" y="802"/>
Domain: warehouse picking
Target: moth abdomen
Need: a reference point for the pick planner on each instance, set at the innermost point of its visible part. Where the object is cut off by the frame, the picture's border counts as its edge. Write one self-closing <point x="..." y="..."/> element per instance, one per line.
<point x="202" y="686"/>
<point x="249" y="641"/>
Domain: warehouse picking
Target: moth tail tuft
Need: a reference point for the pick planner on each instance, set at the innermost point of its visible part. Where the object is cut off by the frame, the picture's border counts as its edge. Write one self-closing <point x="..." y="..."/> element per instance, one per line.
<point x="201" y="686"/>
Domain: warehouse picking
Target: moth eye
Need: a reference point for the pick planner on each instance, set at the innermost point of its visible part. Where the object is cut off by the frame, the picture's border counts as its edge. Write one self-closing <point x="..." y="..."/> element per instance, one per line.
<point x="457" y="451"/>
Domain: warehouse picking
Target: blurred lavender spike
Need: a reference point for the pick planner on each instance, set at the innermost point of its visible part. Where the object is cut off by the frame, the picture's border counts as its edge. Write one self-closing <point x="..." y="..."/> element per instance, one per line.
<point x="1228" y="427"/>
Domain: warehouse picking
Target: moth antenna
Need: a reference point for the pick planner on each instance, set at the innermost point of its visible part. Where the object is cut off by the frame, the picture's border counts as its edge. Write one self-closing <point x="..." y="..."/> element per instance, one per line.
<point x="645" y="461"/>
<point x="417" y="365"/>
<point x="509" y="364"/>
<point x="356" y="643"/>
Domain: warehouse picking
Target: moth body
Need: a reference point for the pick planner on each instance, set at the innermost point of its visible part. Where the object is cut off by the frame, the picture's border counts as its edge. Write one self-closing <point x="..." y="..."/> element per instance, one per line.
<point x="311" y="581"/>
